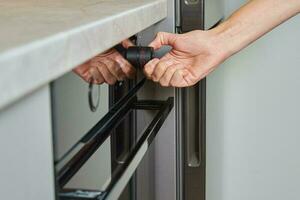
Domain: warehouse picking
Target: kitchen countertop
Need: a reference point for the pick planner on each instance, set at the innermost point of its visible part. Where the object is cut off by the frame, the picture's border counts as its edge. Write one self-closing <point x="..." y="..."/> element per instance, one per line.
<point x="41" y="40"/>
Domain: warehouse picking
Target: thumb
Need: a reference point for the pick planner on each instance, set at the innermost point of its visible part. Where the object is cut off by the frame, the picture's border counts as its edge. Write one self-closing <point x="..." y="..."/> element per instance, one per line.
<point x="163" y="38"/>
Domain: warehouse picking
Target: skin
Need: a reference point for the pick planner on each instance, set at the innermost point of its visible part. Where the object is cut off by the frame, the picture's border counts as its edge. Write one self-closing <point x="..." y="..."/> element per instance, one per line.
<point x="196" y="54"/>
<point x="108" y="67"/>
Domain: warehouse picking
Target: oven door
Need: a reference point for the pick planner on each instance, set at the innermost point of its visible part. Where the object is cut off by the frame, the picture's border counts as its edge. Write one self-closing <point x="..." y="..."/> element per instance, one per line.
<point x="97" y="147"/>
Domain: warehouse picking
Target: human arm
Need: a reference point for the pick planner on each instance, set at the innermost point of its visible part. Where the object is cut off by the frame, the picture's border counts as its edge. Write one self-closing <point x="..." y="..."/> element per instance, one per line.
<point x="195" y="54"/>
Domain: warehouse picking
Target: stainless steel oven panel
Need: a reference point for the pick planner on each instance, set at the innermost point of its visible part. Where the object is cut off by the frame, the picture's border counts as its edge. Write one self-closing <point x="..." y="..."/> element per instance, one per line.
<point x="191" y="104"/>
<point x="72" y="115"/>
<point x="199" y="14"/>
<point x="157" y="172"/>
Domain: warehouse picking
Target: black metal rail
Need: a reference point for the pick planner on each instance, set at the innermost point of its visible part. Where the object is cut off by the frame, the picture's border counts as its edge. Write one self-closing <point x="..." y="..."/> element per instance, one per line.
<point x="163" y="107"/>
<point x="97" y="135"/>
<point x="100" y="132"/>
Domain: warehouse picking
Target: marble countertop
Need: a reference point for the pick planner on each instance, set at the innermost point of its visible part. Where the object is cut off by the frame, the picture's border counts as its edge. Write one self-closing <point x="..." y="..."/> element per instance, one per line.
<point x="41" y="40"/>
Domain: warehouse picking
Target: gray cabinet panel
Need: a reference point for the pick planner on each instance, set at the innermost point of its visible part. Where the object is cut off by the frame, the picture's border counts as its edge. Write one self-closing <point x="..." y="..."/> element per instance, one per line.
<point x="26" y="170"/>
<point x="156" y="175"/>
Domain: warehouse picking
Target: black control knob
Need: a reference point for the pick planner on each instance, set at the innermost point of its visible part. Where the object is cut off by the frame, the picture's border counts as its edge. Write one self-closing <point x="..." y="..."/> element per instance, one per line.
<point x="138" y="56"/>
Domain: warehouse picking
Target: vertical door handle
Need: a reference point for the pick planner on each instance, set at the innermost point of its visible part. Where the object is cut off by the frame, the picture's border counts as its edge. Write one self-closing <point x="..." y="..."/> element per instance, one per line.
<point x="193" y="132"/>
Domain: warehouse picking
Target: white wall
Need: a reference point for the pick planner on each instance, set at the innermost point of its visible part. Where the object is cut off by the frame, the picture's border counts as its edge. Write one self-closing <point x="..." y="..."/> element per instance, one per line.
<point x="253" y="119"/>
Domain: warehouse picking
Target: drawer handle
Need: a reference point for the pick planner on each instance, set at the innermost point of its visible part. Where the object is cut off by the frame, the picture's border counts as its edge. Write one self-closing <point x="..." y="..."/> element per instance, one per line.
<point x="93" y="105"/>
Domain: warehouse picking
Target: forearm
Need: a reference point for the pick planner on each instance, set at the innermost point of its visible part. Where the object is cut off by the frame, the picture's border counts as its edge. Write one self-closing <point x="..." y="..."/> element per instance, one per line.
<point x="252" y="21"/>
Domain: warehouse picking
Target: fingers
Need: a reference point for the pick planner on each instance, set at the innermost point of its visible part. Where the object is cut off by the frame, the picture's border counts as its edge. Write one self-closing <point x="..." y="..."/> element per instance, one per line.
<point x="160" y="69"/>
<point x="163" y="38"/>
<point x="107" y="67"/>
<point x="178" y="78"/>
<point x="169" y="73"/>
<point x="104" y="71"/>
<point x="128" y="70"/>
<point x="96" y="76"/>
<point x="83" y="71"/>
<point x="127" y="43"/>
<point x="150" y="66"/>
<point x="165" y="80"/>
<point x="117" y="66"/>
<point x="114" y="68"/>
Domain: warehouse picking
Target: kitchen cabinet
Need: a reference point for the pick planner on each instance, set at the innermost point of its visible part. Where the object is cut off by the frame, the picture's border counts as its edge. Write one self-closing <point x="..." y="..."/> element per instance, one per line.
<point x="26" y="151"/>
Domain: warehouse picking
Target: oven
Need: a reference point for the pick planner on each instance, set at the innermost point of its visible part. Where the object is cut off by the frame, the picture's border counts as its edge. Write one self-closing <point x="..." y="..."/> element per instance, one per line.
<point x="102" y="134"/>
<point x="102" y="161"/>
<point x="134" y="140"/>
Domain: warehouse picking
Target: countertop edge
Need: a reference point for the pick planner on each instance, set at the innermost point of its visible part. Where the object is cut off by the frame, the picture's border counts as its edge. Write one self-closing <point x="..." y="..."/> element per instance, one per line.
<point x="62" y="52"/>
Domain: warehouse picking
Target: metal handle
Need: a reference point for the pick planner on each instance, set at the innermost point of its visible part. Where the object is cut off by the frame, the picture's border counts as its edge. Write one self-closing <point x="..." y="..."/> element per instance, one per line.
<point x="138" y="56"/>
<point x="193" y="137"/>
<point x="93" y="105"/>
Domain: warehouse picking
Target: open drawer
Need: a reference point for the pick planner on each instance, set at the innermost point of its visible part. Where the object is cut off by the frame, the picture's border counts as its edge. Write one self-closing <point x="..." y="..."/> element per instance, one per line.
<point x="94" y="142"/>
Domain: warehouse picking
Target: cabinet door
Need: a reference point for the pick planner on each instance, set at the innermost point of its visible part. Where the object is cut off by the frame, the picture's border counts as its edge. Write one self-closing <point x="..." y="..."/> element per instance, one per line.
<point x="26" y="168"/>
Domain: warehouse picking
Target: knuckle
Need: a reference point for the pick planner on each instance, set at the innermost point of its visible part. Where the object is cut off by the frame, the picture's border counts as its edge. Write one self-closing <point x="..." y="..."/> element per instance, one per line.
<point x="147" y="71"/>
<point x="158" y="70"/>
<point x="111" y="81"/>
<point x="163" y="83"/>
<point x="155" y="76"/>
<point x="101" y="66"/>
<point x="160" y="67"/>
<point x="130" y="72"/>
<point x="160" y="34"/>
<point x="119" y="71"/>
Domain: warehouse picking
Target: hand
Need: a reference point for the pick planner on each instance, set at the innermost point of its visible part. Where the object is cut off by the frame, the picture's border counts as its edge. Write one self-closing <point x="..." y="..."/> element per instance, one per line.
<point x="108" y="67"/>
<point x="193" y="56"/>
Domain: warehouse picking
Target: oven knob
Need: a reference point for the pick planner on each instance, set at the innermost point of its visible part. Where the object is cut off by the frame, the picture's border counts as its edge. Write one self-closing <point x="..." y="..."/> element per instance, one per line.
<point x="138" y="56"/>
